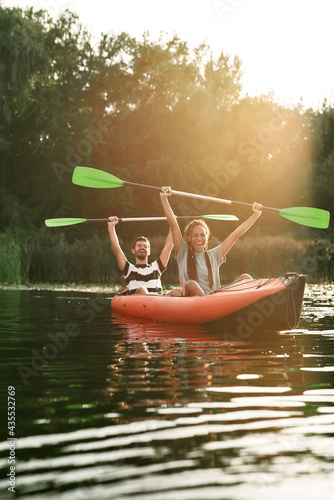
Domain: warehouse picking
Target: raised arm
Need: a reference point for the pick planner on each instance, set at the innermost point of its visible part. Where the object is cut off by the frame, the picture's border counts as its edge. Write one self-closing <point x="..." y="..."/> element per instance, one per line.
<point x="233" y="237"/>
<point x="165" y="252"/>
<point x="174" y="226"/>
<point x="120" y="257"/>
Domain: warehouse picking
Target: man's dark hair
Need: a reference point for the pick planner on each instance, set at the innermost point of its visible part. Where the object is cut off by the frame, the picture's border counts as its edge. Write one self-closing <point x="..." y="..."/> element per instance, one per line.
<point x="140" y="238"/>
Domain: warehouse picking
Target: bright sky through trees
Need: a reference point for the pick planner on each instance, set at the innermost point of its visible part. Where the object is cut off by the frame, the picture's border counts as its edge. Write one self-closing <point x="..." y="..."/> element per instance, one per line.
<point x="285" y="46"/>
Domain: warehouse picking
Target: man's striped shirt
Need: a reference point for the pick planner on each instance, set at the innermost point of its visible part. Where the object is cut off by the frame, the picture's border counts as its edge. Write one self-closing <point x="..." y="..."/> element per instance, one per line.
<point x="147" y="275"/>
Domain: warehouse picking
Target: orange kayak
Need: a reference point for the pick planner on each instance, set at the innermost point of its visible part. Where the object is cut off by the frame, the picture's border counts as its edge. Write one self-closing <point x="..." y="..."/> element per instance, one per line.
<point x="273" y="304"/>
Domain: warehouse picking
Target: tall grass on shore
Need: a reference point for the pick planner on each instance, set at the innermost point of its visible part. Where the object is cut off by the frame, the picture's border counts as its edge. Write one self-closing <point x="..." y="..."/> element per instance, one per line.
<point x="88" y="261"/>
<point x="57" y="260"/>
<point x="10" y="260"/>
<point x="271" y="256"/>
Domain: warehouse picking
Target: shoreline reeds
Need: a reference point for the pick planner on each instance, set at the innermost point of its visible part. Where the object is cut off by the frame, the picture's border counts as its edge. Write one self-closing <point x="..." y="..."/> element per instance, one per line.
<point x="93" y="261"/>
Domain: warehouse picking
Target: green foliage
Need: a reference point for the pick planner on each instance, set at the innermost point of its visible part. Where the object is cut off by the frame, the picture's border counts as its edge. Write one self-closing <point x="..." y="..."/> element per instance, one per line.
<point x="153" y="112"/>
<point x="319" y="255"/>
<point x="56" y="260"/>
<point x="22" y="56"/>
<point x="322" y="124"/>
<point x="17" y="247"/>
<point x="10" y="260"/>
<point x="89" y="260"/>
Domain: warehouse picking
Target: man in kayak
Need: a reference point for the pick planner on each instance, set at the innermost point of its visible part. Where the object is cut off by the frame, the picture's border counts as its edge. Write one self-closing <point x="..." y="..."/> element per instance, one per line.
<point x="141" y="277"/>
<point x="199" y="267"/>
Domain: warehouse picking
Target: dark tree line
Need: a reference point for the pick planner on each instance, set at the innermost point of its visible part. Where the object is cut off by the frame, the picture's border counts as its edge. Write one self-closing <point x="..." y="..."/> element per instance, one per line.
<point x="153" y="112"/>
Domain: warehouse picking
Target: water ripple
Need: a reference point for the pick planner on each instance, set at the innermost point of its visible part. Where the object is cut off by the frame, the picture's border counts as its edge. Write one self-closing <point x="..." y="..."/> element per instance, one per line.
<point x="144" y="411"/>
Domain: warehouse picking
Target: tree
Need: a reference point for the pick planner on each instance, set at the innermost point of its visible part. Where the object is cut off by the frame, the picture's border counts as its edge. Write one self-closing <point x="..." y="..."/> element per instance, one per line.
<point x="153" y="112"/>
<point x="322" y="123"/>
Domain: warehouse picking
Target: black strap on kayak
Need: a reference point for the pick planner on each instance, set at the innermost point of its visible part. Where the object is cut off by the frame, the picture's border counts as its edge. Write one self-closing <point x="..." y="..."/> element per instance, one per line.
<point x="291" y="298"/>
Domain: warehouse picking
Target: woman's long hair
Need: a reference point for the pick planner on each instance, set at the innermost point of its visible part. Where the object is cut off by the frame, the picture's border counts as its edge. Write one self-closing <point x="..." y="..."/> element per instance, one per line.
<point x="191" y="258"/>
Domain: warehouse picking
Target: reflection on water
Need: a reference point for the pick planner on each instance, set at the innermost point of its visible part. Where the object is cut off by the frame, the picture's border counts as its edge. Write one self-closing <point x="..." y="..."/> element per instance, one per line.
<point x="114" y="408"/>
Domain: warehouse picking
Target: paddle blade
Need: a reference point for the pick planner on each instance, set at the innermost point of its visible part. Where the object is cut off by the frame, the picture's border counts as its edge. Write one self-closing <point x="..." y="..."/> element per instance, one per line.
<point x="63" y="222"/>
<point x="307" y="216"/>
<point x="219" y="217"/>
<point x="94" y="178"/>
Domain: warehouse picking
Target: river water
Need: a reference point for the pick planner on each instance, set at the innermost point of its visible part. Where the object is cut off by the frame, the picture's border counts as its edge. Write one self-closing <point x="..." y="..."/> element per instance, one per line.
<point x="107" y="408"/>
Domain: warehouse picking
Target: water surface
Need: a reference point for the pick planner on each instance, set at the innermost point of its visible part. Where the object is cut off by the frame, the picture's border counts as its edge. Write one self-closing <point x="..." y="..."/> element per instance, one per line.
<point x="112" y="408"/>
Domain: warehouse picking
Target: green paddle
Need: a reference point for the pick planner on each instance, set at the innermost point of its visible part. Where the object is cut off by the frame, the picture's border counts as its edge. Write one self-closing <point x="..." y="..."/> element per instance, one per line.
<point x="306" y="216"/>
<point x="71" y="222"/>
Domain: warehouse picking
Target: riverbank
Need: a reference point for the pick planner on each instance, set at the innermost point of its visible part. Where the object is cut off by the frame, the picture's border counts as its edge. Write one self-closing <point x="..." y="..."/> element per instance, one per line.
<point x="71" y="287"/>
<point x="92" y="261"/>
<point x="58" y="287"/>
<point x="322" y="291"/>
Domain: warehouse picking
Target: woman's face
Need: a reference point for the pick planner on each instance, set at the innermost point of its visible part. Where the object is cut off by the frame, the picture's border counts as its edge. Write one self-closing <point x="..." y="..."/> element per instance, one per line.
<point x="198" y="238"/>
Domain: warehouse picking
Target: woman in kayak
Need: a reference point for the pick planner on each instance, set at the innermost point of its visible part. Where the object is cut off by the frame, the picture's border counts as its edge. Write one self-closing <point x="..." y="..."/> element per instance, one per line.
<point x="198" y="266"/>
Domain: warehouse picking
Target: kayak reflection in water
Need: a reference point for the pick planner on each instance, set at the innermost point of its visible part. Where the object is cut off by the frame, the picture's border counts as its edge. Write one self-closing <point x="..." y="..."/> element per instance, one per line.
<point x="141" y="277"/>
<point x="198" y="266"/>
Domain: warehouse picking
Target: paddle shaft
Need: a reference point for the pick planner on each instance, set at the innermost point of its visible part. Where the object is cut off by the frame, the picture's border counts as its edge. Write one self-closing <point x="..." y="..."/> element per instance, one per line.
<point x="306" y="216"/>
<point x="139" y="219"/>
<point x="201" y="197"/>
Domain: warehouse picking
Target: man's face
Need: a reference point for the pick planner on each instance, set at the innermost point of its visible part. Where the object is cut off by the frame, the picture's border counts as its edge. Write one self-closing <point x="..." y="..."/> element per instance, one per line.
<point x="141" y="250"/>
